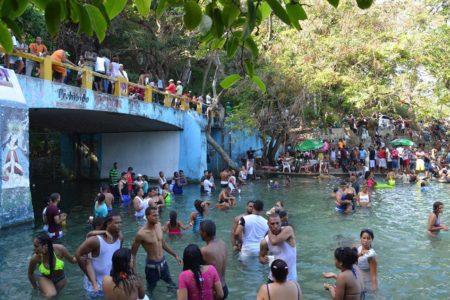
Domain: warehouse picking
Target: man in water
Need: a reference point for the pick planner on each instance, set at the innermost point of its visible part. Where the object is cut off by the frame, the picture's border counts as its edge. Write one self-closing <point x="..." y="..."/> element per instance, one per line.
<point x="114" y="178"/>
<point x="102" y="248"/>
<point x="236" y="240"/>
<point x="224" y="175"/>
<point x="150" y="236"/>
<point x="225" y="198"/>
<point x="280" y="242"/>
<point x="215" y="251"/>
<point x="252" y="228"/>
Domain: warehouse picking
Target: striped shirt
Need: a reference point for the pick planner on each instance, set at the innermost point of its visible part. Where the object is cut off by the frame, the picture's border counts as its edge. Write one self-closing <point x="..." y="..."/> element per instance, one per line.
<point x="114" y="176"/>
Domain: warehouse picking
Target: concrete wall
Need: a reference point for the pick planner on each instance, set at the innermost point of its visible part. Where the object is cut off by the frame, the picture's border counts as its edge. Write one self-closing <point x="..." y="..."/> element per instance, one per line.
<point x="235" y="143"/>
<point x="193" y="145"/>
<point x="147" y="152"/>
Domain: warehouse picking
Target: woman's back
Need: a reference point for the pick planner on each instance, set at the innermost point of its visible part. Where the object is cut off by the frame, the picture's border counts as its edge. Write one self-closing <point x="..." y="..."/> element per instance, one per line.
<point x="288" y="290"/>
<point x="354" y="284"/>
<point x="118" y="293"/>
<point x="187" y="281"/>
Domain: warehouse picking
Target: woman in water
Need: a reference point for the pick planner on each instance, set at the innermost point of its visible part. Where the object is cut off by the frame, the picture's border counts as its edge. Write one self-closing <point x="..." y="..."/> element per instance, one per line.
<point x="367" y="260"/>
<point x="174" y="226"/>
<point x="198" y="281"/>
<point x="176" y="186"/>
<point x="343" y="205"/>
<point x="280" y="288"/>
<point x="48" y="258"/>
<point x="364" y="197"/>
<point x="167" y="196"/>
<point x="349" y="284"/>
<point x="101" y="209"/>
<point x="197" y="216"/>
<point x="123" y="283"/>
<point x="434" y="219"/>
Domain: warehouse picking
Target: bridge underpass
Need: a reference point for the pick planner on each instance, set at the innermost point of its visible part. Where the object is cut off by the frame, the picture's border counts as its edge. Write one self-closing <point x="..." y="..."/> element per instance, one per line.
<point x="95" y="131"/>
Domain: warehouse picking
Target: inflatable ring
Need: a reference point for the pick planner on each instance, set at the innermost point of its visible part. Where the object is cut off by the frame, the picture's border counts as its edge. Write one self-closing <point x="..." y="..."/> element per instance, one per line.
<point x="384" y="186"/>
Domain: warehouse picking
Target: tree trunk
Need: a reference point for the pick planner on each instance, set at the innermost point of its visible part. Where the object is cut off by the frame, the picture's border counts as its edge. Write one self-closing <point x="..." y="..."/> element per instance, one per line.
<point x="210" y="110"/>
<point x="205" y="74"/>
<point x="231" y="163"/>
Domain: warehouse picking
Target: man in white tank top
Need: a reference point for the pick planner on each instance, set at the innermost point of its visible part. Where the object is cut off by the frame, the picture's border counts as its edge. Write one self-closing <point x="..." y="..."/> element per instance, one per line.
<point x="102" y="249"/>
<point x="280" y="243"/>
<point x="252" y="228"/>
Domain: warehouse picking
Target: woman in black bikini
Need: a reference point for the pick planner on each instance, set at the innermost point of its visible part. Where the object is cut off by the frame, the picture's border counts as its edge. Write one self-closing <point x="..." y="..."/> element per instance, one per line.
<point x="349" y="283"/>
<point x="280" y="288"/>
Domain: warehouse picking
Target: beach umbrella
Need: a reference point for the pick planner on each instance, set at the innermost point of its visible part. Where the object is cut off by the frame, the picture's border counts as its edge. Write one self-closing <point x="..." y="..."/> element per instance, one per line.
<point x="402" y="142"/>
<point x="308" y="145"/>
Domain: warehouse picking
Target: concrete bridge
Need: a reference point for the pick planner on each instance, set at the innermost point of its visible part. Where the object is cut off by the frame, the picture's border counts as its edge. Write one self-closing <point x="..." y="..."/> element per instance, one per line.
<point x="146" y="135"/>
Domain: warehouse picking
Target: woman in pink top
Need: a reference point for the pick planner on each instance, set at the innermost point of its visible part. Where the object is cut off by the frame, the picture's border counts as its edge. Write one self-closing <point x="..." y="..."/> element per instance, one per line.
<point x="198" y="281"/>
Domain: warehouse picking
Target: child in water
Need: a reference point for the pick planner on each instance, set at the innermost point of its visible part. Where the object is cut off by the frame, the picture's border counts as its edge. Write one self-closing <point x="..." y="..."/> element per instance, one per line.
<point x="174" y="226"/>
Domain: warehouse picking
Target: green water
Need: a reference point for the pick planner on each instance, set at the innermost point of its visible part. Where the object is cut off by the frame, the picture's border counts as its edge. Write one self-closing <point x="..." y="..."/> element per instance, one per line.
<point x="410" y="264"/>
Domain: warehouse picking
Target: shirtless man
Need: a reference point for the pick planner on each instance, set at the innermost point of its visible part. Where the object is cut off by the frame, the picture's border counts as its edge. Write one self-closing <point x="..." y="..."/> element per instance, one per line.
<point x="155" y="200"/>
<point x="280" y="241"/>
<point x="224" y="178"/>
<point x="150" y="236"/>
<point x="215" y="251"/>
<point x="102" y="249"/>
<point x="109" y="198"/>
<point x="236" y="242"/>
<point x="225" y="198"/>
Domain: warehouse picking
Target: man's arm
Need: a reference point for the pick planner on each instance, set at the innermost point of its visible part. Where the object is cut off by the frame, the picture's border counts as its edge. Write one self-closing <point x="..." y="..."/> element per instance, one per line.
<point x="285" y="234"/>
<point x="169" y="250"/>
<point x="263" y="250"/>
<point x="86" y="247"/>
<point x="135" y="247"/>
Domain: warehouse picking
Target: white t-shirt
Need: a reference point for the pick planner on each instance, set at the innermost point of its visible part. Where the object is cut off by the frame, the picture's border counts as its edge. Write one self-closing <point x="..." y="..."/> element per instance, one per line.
<point x="100" y="65"/>
<point x="207" y="185"/>
<point x="255" y="228"/>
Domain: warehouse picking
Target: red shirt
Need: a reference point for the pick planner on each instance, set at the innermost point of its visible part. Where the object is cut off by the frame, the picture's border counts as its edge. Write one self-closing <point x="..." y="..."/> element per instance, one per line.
<point x="382" y="153"/>
<point x="172" y="88"/>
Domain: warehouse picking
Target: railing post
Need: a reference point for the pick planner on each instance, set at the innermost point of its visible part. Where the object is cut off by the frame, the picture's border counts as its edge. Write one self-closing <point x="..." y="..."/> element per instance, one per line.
<point x="46" y="69"/>
<point x="167" y="101"/>
<point x="183" y="103"/>
<point x="117" y="87"/>
<point x="86" y="79"/>
<point x="148" y="94"/>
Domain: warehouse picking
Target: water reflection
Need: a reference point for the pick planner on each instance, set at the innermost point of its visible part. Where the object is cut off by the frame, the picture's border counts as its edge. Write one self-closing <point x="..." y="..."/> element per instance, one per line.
<point x="411" y="265"/>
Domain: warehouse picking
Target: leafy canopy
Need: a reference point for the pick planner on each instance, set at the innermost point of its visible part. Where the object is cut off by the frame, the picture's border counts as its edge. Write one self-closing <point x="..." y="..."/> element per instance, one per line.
<point x="225" y="24"/>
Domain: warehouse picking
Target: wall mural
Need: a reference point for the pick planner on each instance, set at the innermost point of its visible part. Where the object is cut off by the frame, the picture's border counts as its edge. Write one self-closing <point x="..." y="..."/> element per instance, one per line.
<point x="15" y="196"/>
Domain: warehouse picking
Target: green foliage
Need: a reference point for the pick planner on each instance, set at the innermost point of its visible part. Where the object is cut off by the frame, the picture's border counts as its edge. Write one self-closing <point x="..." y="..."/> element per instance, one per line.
<point x="192" y="14"/>
<point x="220" y="21"/>
<point x="230" y="80"/>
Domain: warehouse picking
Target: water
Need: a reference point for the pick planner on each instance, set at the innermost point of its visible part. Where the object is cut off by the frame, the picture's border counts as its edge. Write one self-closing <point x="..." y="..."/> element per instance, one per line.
<point x="411" y="265"/>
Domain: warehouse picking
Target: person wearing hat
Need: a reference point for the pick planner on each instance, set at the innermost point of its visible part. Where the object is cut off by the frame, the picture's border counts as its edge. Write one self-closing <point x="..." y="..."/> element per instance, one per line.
<point x="171" y="88"/>
<point x="179" y="88"/>
<point x="59" y="72"/>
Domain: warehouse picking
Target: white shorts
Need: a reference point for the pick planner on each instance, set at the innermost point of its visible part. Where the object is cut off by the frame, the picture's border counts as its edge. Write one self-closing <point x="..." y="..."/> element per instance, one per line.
<point x="382" y="163"/>
<point x="371" y="163"/>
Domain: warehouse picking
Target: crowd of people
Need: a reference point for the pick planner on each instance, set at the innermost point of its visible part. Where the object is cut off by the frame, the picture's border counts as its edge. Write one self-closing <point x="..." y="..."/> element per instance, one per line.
<point x="267" y="236"/>
<point x="105" y="64"/>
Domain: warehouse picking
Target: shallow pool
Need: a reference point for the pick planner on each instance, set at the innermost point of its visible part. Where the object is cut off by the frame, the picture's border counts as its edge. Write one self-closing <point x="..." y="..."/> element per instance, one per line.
<point x="411" y="265"/>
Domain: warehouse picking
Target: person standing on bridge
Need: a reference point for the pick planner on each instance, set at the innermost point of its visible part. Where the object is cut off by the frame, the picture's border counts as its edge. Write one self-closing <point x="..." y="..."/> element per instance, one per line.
<point x="59" y="72"/>
<point x="37" y="49"/>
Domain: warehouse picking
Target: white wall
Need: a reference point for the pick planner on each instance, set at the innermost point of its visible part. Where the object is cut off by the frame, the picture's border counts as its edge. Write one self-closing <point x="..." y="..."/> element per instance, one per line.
<point x="147" y="152"/>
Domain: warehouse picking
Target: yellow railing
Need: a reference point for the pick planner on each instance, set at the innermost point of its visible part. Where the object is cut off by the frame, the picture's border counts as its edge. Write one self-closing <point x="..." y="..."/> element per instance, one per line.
<point x="87" y="78"/>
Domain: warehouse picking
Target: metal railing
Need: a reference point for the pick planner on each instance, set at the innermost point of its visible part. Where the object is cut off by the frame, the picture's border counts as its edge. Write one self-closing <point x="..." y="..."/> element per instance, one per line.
<point x="87" y="78"/>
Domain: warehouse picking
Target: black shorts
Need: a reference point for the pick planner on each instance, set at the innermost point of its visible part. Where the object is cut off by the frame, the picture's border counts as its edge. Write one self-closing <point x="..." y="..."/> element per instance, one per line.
<point x="99" y="79"/>
<point x="155" y="271"/>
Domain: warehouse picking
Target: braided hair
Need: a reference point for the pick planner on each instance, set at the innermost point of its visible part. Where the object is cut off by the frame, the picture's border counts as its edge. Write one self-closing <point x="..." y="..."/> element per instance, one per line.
<point x="193" y="260"/>
<point x="121" y="271"/>
<point x="44" y="239"/>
